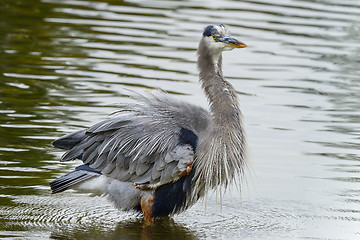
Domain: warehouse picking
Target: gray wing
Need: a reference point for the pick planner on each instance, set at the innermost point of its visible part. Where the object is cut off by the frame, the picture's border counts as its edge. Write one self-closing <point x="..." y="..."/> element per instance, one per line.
<point x="143" y="143"/>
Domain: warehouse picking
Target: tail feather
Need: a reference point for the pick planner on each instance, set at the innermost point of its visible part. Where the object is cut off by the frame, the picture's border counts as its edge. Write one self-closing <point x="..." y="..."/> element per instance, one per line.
<point x="80" y="174"/>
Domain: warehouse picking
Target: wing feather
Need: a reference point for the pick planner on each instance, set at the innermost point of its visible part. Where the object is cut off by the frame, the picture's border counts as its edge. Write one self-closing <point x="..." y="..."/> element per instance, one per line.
<point x="100" y="162"/>
<point x="166" y="174"/>
<point x="141" y="168"/>
<point x="109" y="168"/>
<point x="142" y="142"/>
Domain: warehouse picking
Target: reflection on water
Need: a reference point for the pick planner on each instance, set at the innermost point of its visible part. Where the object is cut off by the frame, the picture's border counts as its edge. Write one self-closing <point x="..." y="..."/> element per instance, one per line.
<point x="67" y="64"/>
<point x="135" y="229"/>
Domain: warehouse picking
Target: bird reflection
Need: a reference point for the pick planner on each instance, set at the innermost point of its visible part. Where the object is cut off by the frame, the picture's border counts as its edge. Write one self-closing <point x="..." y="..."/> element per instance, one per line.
<point x="164" y="228"/>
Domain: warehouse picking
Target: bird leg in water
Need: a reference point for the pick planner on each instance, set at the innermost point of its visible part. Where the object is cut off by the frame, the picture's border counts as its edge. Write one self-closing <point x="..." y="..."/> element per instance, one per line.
<point x="146" y="204"/>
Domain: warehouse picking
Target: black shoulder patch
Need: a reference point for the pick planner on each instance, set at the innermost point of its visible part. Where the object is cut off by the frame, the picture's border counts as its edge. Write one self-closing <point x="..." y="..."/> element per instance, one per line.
<point x="188" y="137"/>
<point x="171" y="198"/>
<point x="209" y="31"/>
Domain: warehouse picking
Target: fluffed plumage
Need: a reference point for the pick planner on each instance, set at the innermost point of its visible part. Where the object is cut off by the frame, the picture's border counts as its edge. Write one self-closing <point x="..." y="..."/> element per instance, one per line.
<point x="160" y="155"/>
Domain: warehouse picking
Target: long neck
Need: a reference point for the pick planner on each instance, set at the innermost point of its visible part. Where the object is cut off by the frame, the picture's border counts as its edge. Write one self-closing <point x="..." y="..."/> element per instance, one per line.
<point x="221" y="151"/>
<point x="220" y="93"/>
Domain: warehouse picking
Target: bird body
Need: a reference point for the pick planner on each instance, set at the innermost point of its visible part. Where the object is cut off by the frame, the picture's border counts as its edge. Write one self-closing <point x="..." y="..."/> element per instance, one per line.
<point x="160" y="155"/>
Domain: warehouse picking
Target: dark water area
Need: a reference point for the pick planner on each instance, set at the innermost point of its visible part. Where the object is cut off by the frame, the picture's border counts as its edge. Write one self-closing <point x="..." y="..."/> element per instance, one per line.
<point x="65" y="65"/>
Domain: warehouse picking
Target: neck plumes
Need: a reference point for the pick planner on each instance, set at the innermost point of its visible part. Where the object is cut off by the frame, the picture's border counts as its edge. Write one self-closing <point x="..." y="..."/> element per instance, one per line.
<point x="220" y="155"/>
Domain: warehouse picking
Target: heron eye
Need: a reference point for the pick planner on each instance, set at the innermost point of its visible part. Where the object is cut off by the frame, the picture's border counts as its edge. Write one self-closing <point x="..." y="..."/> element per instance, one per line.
<point x="214" y="37"/>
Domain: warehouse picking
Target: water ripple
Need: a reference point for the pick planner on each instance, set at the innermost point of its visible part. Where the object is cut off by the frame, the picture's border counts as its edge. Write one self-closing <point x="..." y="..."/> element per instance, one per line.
<point x="66" y="64"/>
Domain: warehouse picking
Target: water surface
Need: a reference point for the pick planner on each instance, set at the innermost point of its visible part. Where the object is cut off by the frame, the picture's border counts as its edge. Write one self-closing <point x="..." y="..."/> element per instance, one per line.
<point x="65" y="65"/>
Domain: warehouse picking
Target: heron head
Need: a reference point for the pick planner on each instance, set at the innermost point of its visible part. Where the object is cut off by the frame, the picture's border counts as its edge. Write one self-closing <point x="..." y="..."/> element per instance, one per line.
<point x="218" y="38"/>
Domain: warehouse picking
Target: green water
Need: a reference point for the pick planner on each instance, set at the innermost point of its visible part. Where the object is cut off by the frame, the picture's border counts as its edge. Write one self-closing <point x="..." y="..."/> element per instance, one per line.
<point x="65" y="65"/>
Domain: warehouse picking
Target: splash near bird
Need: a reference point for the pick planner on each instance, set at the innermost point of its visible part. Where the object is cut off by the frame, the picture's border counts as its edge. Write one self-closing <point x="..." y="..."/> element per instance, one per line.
<point x="159" y="156"/>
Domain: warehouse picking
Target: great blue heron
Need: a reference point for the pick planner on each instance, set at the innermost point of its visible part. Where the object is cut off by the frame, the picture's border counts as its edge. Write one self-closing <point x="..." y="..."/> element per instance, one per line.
<point x="159" y="155"/>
